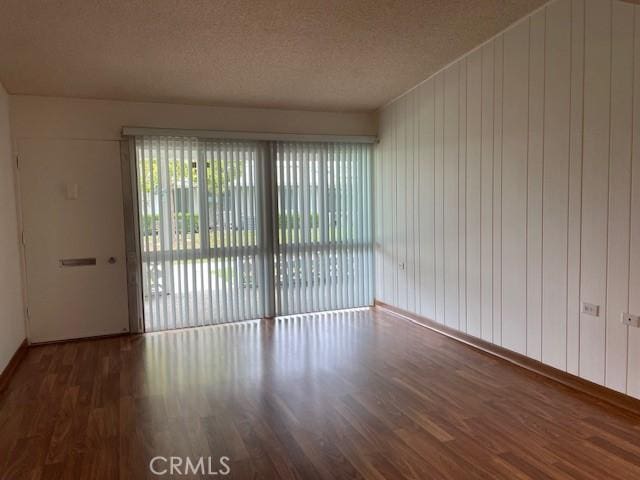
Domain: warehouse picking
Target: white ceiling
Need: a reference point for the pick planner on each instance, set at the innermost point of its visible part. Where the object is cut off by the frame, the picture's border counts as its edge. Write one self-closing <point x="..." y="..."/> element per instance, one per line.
<point x="338" y="55"/>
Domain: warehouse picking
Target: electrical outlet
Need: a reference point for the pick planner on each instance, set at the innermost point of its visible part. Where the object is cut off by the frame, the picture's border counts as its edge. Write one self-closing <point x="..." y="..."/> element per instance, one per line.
<point x="591" y="309"/>
<point x="631" y="320"/>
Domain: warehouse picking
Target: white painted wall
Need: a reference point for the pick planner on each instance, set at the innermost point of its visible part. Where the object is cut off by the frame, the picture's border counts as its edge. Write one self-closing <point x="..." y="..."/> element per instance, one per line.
<point x="72" y="118"/>
<point x="523" y="160"/>
<point x="12" y="331"/>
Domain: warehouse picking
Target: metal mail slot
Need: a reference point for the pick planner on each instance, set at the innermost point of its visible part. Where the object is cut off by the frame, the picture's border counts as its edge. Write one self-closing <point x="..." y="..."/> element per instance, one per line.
<point x="77" y="262"/>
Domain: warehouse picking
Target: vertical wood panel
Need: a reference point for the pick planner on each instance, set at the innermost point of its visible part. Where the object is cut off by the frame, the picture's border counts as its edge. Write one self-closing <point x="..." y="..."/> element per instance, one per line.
<point x="439" y="198"/>
<point x="497" y="190"/>
<point x="401" y="205"/>
<point x="462" y="197"/>
<point x="415" y="222"/>
<point x="379" y="152"/>
<point x="474" y="154"/>
<point x="427" y="200"/>
<point x="619" y="195"/>
<point x="633" y="356"/>
<point x="534" y="185"/>
<point x="451" y="159"/>
<point x="595" y="180"/>
<point x="409" y="203"/>
<point x="392" y="263"/>
<point x="387" y="230"/>
<point x="555" y="189"/>
<point x="575" y="187"/>
<point x="514" y="188"/>
<point x="486" y="195"/>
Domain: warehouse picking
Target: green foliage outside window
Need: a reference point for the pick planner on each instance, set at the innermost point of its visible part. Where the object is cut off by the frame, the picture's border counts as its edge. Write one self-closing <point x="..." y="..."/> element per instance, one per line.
<point x="218" y="178"/>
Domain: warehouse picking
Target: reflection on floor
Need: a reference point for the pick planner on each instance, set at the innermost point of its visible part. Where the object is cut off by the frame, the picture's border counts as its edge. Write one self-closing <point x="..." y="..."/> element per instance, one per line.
<point x="356" y="394"/>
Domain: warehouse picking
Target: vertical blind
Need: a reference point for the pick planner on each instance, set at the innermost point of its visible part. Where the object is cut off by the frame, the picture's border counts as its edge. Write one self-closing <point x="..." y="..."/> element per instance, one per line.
<point x="201" y="230"/>
<point x="324" y="256"/>
<point x="236" y="230"/>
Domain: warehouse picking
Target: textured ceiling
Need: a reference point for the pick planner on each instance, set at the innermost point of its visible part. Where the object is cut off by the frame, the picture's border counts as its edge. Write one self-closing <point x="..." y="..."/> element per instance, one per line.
<point x="334" y="55"/>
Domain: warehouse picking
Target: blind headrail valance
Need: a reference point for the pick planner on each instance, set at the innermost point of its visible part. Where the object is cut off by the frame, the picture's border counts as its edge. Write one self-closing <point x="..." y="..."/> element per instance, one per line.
<point x="227" y="135"/>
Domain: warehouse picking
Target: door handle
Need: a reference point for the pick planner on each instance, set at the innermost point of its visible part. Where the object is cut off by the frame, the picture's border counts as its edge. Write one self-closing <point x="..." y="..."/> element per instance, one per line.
<point x="77" y="262"/>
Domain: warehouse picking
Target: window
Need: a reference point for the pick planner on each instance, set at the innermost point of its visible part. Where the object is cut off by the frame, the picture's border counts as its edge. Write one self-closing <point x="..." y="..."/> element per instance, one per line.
<point x="236" y="230"/>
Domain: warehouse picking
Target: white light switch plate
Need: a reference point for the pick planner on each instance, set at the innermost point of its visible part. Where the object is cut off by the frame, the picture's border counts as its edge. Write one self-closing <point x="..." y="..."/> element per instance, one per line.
<point x="591" y="309"/>
<point x="631" y="320"/>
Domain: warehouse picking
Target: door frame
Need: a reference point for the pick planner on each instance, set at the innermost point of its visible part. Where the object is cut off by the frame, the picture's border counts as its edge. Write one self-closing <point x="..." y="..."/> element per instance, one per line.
<point x="132" y="234"/>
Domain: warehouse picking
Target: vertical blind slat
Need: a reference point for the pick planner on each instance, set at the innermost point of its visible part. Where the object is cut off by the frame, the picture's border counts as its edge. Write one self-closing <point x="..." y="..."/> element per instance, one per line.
<point x="183" y="235"/>
<point x="170" y="208"/>
<point x="157" y="276"/>
<point x="227" y="303"/>
<point x="206" y="211"/>
<point x="215" y="200"/>
<point x="233" y="220"/>
<point x="145" y="227"/>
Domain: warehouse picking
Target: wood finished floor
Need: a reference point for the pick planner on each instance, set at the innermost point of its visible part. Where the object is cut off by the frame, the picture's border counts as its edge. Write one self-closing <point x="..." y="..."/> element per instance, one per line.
<point x="344" y="395"/>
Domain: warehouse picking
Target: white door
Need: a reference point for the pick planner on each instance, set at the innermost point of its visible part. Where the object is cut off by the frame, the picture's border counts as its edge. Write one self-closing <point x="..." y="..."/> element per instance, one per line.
<point x="81" y="301"/>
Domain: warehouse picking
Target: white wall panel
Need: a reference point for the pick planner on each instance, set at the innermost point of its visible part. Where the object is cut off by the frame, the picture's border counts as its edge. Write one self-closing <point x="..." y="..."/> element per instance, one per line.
<point x="498" y="45"/>
<point x="462" y="197"/>
<point x="410" y="202"/>
<point x="381" y="170"/>
<point x="474" y="156"/>
<point x="514" y="188"/>
<point x="451" y="204"/>
<point x="595" y="182"/>
<point x="575" y="187"/>
<point x="486" y="192"/>
<point x="619" y="195"/>
<point x="525" y="163"/>
<point x="393" y="222"/>
<point x="556" y="183"/>
<point x="427" y="199"/>
<point x="534" y="184"/>
<point x="439" y="198"/>
<point x="633" y="356"/>
<point x="378" y="206"/>
<point x="401" y="200"/>
<point x="388" y="204"/>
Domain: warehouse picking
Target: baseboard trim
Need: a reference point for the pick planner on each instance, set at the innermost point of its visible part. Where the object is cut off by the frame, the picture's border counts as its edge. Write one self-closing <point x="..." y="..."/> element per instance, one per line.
<point x="585" y="386"/>
<point x="12" y="366"/>
<point x="82" y="339"/>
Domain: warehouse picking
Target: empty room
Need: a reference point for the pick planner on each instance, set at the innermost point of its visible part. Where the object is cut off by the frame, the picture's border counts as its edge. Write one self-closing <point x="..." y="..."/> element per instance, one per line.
<point x="295" y="239"/>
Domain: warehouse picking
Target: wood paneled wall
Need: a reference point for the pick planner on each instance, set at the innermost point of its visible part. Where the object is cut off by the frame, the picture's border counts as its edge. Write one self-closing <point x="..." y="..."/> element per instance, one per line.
<point x="508" y="191"/>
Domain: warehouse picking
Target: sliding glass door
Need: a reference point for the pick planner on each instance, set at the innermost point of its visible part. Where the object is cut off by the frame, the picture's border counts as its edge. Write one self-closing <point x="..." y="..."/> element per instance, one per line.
<point x="324" y="257"/>
<point x="236" y="230"/>
<point x="201" y="231"/>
